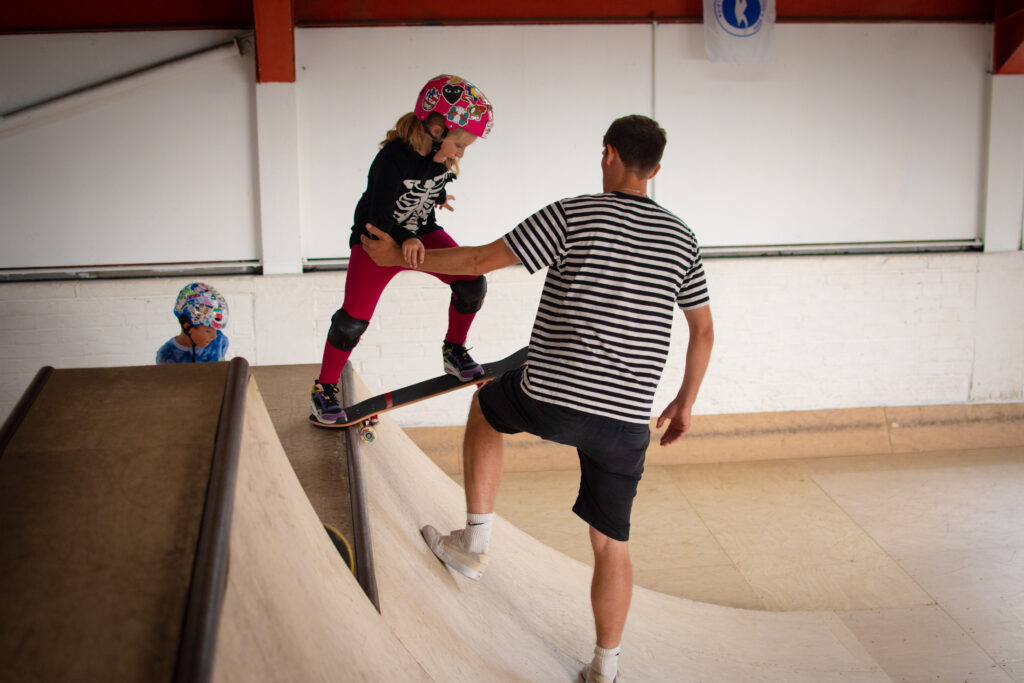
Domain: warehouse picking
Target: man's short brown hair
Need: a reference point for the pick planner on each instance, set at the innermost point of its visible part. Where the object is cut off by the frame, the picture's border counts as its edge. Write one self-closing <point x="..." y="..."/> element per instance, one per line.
<point x="639" y="140"/>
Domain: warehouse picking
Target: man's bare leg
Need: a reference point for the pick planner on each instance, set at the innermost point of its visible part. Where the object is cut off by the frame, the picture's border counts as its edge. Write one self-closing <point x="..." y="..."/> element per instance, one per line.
<point x="610" y="592"/>
<point x="611" y="588"/>
<point x="482" y="461"/>
<point x="465" y="550"/>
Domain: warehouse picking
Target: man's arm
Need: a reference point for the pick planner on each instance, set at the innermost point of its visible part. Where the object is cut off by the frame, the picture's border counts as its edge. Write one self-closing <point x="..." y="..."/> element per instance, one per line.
<point x="455" y="261"/>
<point x="698" y="354"/>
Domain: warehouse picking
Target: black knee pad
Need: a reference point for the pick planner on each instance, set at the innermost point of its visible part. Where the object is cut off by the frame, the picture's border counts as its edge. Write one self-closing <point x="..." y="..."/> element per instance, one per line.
<point x="468" y="295"/>
<point x="345" y="330"/>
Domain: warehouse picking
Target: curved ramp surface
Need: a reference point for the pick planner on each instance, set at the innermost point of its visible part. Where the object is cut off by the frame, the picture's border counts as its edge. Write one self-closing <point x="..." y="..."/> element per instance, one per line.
<point x="529" y="617"/>
<point x="292" y="610"/>
<point x="101" y="495"/>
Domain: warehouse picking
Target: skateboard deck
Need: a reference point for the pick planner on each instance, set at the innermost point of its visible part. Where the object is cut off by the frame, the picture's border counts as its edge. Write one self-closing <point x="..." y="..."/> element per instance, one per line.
<point x="366" y="411"/>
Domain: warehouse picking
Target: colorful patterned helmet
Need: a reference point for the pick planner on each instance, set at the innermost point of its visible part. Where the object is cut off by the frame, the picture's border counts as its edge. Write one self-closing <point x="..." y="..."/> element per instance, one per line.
<point x="201" y="304"/>
<point x="459" y="101"/>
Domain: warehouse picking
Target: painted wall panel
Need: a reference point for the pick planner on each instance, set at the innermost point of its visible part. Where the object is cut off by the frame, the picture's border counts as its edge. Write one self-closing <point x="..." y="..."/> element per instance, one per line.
<point x="554" y="89"/>
<point x="38" y="67"/>
<point x="857" y="133"/>
<point x="158" y="171"/>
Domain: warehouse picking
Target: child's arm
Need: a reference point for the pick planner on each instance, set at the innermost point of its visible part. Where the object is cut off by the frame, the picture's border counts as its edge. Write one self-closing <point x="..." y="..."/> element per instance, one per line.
<point x="413" y="251"/>
<point x="222" y="340"/>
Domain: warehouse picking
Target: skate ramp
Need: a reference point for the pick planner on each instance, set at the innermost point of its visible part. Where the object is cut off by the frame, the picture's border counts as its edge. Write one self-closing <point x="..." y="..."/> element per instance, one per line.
<point x="103" y="510"/>
<point x="292" y="610"/>
<point x="529" y="617"/>
<point x="102" y="486"/>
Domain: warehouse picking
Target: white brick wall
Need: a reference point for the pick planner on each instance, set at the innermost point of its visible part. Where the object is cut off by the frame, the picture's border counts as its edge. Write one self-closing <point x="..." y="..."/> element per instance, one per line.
<point x="807" y="333"/>
<point x="797" y="333"/>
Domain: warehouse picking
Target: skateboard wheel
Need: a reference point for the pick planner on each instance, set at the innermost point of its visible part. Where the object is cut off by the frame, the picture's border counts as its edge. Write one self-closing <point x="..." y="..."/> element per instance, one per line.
<point x="368" y="434"/>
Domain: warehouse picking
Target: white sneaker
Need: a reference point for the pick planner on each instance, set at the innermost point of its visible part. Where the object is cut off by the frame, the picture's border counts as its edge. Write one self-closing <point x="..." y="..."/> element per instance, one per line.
<point x="588" y="676"/>
<point x="449" y="550"/>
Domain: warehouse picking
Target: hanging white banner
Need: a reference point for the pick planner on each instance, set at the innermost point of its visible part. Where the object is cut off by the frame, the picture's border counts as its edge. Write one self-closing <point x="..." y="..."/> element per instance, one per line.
<point x="739" y="31"/>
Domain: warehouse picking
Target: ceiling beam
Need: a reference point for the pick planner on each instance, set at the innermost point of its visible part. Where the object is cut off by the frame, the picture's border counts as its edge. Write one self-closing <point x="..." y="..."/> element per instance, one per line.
<point x="1008" y="48"/>
<point x="275" y="41"/>
<point x="23" y="16"/>
<point x="884" y="10"/>
<point x="55" y="16"/>
<point x="419" y="12"/>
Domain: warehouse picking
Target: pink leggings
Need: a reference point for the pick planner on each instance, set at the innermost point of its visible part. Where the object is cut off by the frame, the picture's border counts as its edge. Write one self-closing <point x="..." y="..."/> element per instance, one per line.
<point x="364" y="284"/>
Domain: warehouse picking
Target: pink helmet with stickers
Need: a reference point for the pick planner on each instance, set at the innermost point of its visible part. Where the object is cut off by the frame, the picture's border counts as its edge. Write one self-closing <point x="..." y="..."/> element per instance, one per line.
<point x="460" y="103"/>
<point x="200" y="304"/>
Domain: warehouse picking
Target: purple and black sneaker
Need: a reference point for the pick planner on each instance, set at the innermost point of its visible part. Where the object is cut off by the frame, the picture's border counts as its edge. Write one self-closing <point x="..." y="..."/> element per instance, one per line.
<point x="458" y="362"/>
<point x="324" y="399"/>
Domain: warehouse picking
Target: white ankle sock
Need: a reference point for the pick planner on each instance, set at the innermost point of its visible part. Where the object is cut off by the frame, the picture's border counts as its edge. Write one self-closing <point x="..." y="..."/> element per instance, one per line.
<point x="606" y="662"/>
<point x="478" y="531"/>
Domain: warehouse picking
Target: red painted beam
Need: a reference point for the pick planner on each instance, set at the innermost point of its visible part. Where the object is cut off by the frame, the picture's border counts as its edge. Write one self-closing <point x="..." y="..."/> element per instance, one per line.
<point x="112" y="15"/>
<point x="1008" y="49"/>
<point x="275" y="41"/>
<point x="885" y="10"/>
<point x="103" y="15"/>
<point x="339" y="12"/>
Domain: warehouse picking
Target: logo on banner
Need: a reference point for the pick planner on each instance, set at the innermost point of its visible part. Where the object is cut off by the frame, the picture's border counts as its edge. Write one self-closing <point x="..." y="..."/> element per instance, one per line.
<point x="741" y="18"/>
<point x="742" y="31"/>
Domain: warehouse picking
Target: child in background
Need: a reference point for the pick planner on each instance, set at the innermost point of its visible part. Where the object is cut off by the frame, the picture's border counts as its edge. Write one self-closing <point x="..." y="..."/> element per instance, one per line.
<point x="407" y="179"/>
<point x="202" y="313"/>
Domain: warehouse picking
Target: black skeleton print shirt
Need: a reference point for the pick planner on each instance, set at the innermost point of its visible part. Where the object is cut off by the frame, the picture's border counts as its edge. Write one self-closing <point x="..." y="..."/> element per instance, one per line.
<point x="402" y="189"/>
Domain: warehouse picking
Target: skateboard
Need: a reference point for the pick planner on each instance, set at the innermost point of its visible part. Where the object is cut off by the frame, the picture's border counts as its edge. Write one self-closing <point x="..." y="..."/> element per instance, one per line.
<point x="365" y="412"/>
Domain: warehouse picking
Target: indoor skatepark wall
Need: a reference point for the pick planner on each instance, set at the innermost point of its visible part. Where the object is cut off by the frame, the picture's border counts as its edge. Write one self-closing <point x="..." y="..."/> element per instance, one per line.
<point x="291" y="610"/>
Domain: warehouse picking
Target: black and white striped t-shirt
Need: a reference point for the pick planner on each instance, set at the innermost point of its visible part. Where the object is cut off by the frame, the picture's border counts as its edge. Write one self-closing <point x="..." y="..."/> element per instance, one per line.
<point x="617" y="267"/>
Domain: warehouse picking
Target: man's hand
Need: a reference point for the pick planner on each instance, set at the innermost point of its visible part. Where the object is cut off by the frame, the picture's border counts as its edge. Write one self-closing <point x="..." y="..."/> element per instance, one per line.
<point x="384" y="250"/>
<point x="698" y="353"/>
<point x="678" y="418"/>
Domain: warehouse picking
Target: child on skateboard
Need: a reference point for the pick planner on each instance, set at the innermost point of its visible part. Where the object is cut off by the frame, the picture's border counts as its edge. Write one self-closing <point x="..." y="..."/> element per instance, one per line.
<point x="406" y="181"/>
<point x="202" y="313"/>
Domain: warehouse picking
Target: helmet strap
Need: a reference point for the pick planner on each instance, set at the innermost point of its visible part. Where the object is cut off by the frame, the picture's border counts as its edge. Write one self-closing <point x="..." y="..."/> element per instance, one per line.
<point x="186" y="327"/>
<point x="188" y="331"/>
<point x="436" y="146"/>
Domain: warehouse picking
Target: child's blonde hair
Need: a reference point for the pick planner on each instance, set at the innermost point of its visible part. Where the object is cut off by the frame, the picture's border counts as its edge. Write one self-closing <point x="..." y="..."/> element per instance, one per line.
<point x="413" y="132"/>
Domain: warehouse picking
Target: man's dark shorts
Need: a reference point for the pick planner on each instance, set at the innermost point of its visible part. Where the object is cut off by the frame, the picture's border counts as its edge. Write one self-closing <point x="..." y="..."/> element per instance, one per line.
<point x="611" y="451"/>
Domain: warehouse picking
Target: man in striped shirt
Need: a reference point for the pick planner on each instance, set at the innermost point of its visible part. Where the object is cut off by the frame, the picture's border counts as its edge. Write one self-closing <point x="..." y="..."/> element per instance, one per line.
<point x="618" y="265"/>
